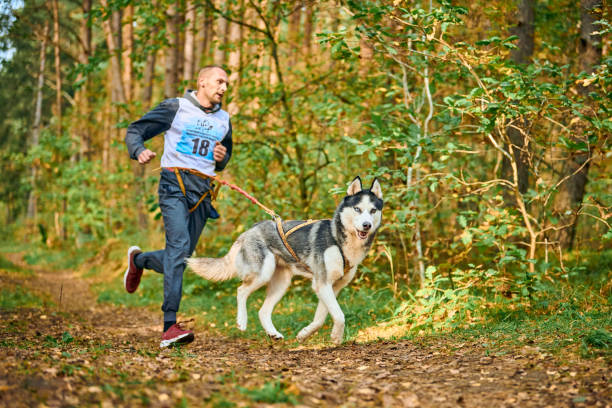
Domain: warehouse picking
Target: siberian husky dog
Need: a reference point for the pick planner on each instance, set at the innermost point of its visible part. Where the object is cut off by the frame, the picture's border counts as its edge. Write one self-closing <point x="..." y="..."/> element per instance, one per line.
<point x="329" y="252"/>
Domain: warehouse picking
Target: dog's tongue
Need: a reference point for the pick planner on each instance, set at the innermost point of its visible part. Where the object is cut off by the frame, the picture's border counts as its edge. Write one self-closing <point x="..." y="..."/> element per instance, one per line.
<point x="362" y="234"/>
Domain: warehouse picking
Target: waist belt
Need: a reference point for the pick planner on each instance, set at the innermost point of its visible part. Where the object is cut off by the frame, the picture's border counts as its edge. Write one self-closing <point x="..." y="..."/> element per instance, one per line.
<point x="213" y="191"/>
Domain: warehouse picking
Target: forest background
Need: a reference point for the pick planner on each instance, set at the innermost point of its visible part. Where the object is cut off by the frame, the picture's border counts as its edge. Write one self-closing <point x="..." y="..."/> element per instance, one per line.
<point x="487" y="122"/>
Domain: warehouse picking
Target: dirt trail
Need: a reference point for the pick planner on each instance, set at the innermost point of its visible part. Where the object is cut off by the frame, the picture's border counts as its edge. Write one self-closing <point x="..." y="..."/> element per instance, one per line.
<point x="81" y="353"/>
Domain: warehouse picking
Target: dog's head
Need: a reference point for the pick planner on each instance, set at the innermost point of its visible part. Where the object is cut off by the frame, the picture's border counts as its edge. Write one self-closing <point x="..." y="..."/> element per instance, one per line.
<point x="360" y="212"/>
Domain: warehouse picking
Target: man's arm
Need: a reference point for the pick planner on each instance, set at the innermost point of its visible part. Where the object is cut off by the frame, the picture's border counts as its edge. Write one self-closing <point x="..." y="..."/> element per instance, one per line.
<point x="151" y="124"/>
<point x="227" y="143"/>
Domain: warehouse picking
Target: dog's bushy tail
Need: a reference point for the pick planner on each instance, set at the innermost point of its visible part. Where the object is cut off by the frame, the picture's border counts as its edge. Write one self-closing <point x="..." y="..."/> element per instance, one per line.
<point x="216" y="269"/>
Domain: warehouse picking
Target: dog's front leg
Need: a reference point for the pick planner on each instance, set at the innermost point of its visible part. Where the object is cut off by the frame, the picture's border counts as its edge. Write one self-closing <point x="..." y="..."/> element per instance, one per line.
<point x="321" y="313"/>
<point x="328" y="297"/>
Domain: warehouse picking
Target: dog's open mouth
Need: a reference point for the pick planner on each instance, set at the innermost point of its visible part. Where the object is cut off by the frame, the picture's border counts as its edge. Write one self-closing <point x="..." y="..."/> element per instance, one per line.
<point x="362" y="234"/>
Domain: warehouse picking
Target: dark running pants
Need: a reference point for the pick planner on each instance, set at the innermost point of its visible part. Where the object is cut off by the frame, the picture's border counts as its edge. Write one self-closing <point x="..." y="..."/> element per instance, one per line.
<point x="183" y="230"/>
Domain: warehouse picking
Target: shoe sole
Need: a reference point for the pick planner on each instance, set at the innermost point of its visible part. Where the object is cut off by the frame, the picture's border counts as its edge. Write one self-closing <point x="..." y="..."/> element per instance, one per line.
<point x="182" y="339"/>
<point x="130" y="250"/>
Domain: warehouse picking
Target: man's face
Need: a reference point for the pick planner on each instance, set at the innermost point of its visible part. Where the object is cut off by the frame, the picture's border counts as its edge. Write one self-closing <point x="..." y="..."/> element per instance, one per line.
<point x="213" y="85"/>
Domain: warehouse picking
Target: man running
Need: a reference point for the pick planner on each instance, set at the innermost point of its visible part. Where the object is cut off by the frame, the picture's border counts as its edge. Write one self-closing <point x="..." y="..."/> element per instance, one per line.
<point x="198" y="142"/>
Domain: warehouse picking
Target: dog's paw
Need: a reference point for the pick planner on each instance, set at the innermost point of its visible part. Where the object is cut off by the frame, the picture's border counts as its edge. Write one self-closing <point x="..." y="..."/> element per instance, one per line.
<point x="241" y="323"/>
<point x="337" y="334"/>
<point x="276" y="336"/>
<point x="304" y="334"/>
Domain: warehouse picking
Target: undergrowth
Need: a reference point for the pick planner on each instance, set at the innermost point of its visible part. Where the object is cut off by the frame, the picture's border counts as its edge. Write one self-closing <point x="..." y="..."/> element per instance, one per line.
<point x="570" y="311"/>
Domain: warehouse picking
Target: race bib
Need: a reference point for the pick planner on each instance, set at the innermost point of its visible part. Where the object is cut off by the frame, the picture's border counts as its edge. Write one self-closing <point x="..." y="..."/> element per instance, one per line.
<point x="199" y="139"/>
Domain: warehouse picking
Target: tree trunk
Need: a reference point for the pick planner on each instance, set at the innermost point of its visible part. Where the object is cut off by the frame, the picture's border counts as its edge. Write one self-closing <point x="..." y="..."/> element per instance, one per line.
<point x="58" y="71"/>
<point x="307" y="40"/>
<point x="576" y="169"/>
<point x="517" y="142"/>
<point x="32" y="208"/>
<point x="81" y="100"/>
<point x="221" y="40"/>
<point x="116" y="76"/>
<point x="366" y="53"/>
<point x="127" y="50"/>
<point x="149" y="75"/>
<point x="294" y="36"/>
<point x="525" y="32"/>
<point x="171" y="58"/>
<point x="190" y="34"/>
<point x="112" y="34"/>
<point x="204" y="44"/>
<point x="233" y="62"/>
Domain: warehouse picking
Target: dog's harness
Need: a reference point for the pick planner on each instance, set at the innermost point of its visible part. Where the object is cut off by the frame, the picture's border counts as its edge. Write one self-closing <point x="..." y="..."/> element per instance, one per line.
<point x="214" y="191"/>
<point x="284" y="235"/>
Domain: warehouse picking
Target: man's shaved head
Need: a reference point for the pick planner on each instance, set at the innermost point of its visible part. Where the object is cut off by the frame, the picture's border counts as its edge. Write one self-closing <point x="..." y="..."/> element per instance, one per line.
<point x="204" y="72"/>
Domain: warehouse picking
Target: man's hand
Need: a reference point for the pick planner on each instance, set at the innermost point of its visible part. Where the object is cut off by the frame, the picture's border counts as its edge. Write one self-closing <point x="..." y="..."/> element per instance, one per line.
<point x="146" y="156"/>
<point x="219" y="152"/>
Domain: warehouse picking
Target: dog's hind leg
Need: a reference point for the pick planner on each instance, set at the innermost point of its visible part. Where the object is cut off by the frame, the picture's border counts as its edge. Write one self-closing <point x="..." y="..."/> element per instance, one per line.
<point x="277" y="287"/>
<point x="254" y="279"/>
<point x="317" y="322"/>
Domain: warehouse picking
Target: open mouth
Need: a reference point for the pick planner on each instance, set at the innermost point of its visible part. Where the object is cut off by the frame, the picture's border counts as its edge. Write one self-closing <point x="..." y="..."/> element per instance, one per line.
<point x="362" y="234"/>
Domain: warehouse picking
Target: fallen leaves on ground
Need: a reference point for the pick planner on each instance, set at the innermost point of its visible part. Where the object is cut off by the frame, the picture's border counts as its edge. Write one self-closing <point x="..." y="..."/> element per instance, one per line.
<point x="81" y="353"/>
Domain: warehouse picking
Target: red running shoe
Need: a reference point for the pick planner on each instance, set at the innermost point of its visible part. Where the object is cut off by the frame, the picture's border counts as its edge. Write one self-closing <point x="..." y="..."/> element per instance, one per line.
<point x="132" y="276"/>
<point x="176" y="335"/>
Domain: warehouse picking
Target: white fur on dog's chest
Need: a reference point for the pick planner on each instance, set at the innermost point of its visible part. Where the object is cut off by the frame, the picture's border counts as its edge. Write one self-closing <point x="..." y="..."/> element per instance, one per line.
<point x="354" y="251"/>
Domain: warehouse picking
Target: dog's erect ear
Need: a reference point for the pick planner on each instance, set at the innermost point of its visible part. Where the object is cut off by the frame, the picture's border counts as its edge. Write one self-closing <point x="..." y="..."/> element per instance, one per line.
<point x="355" y="187"/>
<point x="376" y="189"/>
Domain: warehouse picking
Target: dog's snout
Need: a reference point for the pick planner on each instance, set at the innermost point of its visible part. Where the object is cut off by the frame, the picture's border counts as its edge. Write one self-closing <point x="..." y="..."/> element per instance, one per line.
<point x="367" y="225"/>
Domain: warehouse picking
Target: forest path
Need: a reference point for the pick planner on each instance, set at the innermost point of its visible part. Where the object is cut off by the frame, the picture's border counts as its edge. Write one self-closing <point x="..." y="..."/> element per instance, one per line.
<point x="78" y="352"/>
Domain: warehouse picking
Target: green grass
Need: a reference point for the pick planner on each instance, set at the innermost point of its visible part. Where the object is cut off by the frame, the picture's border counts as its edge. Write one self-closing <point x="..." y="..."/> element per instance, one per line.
<point x="13" y="298"/>
<point x="57" y="259"/>
<point x="568" y="315"/>
<point x="272" y="392"/>
<point x="552" y="332"/>
<point x="7" y="265"/>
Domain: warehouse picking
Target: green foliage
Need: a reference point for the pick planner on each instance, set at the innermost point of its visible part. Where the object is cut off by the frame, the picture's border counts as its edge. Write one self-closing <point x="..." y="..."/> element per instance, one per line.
<point x="7" y="265"/>
<point x="272" y="392"/>
<point x="219" y="401"/>
<point x="597" y="341"/>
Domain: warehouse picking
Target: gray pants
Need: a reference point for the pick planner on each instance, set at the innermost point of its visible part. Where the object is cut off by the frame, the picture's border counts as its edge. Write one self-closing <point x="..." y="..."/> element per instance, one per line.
<point x="183" y="230"/>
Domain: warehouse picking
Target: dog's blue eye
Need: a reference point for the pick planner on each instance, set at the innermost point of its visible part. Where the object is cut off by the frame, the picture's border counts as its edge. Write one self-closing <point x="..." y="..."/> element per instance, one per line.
<point x="357" y="210"/>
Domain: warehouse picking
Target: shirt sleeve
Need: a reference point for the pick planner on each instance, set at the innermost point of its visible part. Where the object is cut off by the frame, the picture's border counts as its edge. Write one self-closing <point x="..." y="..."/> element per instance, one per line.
<point x="154" y="122"/>
<point x="227" y="142"/>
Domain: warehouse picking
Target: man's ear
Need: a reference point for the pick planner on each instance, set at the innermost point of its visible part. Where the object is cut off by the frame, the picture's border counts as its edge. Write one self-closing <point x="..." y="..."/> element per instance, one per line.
<point x="355" y="186"/>
<point x="376" y="189"/>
